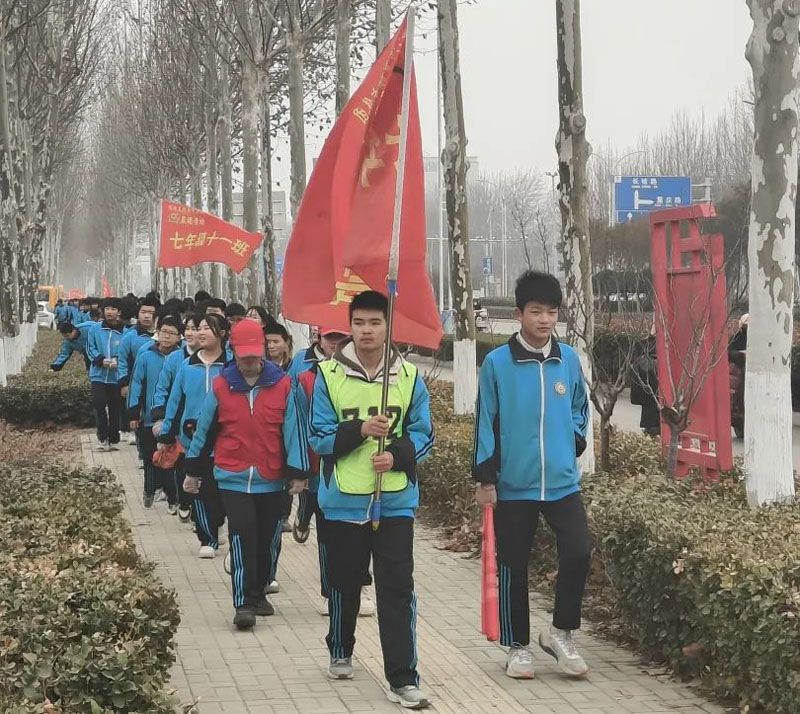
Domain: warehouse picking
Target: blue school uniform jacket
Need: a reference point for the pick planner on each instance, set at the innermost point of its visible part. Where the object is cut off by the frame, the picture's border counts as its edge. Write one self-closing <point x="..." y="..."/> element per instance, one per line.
<point x="530" y="422"/>
<point x="146" y="372"/>
<point x="103" y="343"/>
<point x="133" y="340"/>
<point x="68" y="346"/>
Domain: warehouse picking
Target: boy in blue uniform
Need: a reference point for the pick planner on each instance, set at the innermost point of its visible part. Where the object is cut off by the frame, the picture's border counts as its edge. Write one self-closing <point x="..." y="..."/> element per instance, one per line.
<point x="102" y="348"/>
<point x="530" y="427"/>
<point x="76" y="338"/>
<point x="344" y="429"/>
<point x="149" y="365"/>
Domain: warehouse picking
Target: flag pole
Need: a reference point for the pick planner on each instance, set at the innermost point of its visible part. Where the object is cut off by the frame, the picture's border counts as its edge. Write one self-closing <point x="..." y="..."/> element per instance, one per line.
<point x="394" y="250"/>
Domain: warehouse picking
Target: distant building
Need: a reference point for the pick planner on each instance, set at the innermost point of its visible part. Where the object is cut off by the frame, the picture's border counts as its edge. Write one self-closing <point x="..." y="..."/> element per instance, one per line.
<point x="279" y="220"/>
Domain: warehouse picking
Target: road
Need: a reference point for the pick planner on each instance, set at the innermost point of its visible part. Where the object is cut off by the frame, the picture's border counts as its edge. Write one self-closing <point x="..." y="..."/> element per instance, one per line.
<point x="626" y="415"/>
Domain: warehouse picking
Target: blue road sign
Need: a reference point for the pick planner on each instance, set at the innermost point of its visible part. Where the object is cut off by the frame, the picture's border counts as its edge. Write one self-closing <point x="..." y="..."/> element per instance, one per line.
<point x="279" y="266"/>
<point x="635" y="196"/>
<point x="487" y="266"/>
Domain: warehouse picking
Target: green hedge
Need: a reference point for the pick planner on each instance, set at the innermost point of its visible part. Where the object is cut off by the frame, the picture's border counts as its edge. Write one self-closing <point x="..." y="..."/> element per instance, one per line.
<point x="85" y="623"/>
<point x="701" y="581"/>
<point x="38" y="395"/>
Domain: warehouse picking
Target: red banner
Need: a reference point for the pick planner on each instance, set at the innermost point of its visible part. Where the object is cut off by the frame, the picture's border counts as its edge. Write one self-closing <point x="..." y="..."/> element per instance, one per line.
<point x="341" y="237"/>
<point x="190" y="236"/>
<point x="107" y="291"/>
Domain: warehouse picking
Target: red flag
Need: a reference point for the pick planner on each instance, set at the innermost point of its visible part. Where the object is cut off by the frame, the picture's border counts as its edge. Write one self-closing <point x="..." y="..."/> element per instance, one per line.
<point x="190" y="236"/>
<point x="341" y="236"/>
<point x="490" y="603"/>
<point x="107" y="292"/>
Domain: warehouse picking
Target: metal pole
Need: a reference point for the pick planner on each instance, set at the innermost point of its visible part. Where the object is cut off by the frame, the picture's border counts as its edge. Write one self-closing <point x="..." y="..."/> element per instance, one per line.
<point x="489" y="248"/>
<point x="394" y="250"/>
<point x="439" y="178"/>
<point x="505" y="252"/>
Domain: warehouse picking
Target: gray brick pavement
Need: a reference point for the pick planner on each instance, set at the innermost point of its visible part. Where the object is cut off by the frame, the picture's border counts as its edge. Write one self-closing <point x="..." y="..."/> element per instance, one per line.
<point x="280" y="666"/>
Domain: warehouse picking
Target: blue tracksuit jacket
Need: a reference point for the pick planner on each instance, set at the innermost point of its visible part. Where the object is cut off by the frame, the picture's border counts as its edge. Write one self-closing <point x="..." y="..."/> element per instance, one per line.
<point x="530" y="422"/>
<point x="103" y="343"/>
<point x="146" y="372"/>
<point x="171" y="366"/>
<point x="133" y="339"/>
<point x="68" y="346"/>
<point x="293" y="433"/>
<point x="192" y="382"/>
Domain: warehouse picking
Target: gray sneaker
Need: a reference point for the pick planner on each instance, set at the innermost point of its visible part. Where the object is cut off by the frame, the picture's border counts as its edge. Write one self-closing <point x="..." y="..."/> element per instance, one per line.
<point x="408" y="697"/>
<point x="147" y="500"/>
<point x="559" y="645"/>
<point x="341" y="668"/>
<point x="519" y="664"/>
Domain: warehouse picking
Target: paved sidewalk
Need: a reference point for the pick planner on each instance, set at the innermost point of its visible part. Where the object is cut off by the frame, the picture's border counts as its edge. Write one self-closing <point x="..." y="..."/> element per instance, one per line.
<point x="280" y="666"/>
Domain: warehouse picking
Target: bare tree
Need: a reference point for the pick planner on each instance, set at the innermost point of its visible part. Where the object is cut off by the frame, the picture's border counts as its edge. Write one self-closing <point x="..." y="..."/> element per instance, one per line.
<point x="573" y="153"/>
<point x="772" y="53"/>
<point x="455" y="179"/>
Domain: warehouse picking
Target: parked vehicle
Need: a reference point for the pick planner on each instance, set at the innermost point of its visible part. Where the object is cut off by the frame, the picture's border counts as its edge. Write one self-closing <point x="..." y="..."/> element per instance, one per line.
<point x="44" y="316"/>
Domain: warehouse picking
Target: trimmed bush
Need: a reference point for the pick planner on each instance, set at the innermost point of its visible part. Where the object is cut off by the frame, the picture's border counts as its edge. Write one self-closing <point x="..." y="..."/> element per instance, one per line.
<point x="38" y="396"/>
<point x="700" y="581"/>
<point x="84" y="623"/>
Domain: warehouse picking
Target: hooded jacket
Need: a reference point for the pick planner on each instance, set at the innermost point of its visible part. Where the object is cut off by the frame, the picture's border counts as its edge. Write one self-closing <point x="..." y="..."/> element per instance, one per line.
<point x="103" y="343"/>
<point x="344" y="397"/>
<point x="256" y="434"/>
<point x="146" y="372"/>
<point x="193" y="381"/>
<point x="68" y="346"/>
<point x="530" y="422"/>
<point x="132" y="341"/>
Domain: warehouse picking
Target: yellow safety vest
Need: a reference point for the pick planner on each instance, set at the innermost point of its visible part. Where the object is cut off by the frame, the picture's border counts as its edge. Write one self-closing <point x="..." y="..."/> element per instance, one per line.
<point x="354" y="398"/>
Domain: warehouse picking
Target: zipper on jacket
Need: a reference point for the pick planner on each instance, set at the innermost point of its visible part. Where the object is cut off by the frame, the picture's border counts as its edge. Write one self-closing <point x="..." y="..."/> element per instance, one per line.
<point x="541" y="424"/>
<point x="108" y="355"/>
<point x="250" y="402"/>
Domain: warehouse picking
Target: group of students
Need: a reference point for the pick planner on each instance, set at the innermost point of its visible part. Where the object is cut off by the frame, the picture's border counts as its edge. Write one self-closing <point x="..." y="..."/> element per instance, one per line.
<point x="229" y="424"/>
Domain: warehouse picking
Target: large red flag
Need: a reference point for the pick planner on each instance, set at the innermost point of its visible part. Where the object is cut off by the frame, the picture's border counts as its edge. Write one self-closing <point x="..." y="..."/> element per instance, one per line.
<point x="342" y="234"/>
<point x="190" y="236"/>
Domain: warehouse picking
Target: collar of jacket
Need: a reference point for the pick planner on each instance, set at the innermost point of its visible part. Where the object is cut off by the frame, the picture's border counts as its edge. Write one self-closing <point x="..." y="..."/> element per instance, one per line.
<point x="520" y="354"/>
<point x="314" y="354"/>
<point x="142" y="331"/>
<point x="195" y="359"/>
<point x="108" y="326"/>
<point x="270" y="374"/>
<point x="154" y="347"/>
<point x="347" y="357"/>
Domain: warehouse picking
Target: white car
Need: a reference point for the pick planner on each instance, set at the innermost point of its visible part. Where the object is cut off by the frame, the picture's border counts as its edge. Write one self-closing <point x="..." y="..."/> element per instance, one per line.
<point x="44" y="316"/>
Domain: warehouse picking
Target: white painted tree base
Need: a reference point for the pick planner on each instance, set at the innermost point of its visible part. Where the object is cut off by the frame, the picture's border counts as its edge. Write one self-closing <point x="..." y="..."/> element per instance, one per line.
<point x="768" y="438"/>
<point x="587" y="461"/>
<point x="465" y="377"/>
<point x="14" y="351"/>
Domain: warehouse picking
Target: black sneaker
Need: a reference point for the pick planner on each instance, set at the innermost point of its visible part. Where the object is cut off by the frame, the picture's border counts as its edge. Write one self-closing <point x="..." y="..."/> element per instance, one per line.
<point x="147" y="500"/>
<point x="263" y="608"/>
<point x="245" y="618"/>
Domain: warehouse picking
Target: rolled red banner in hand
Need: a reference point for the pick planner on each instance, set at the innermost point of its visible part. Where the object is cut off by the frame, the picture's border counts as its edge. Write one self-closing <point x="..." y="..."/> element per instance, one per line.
<point x="490" y="606"/>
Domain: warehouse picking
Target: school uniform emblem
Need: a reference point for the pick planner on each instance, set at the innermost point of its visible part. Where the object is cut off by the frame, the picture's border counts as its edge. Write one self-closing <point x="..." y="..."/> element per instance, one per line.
<point x="561" y="388"/>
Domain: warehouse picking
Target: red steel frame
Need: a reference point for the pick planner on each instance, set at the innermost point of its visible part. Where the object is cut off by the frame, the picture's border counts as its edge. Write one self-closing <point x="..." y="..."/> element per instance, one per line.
<point x="691" y="315"/>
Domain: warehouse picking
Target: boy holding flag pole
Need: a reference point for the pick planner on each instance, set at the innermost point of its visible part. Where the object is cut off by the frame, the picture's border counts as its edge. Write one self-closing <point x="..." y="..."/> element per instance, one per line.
<point x="369" y="416"/>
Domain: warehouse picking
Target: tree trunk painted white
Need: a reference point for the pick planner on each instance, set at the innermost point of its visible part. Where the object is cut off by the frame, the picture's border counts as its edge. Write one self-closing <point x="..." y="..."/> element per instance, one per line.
<point x="455" y="182"/>
<point x="573" y="153"/>
<point x="343" y="29"/>
<point x="772" y="52"/>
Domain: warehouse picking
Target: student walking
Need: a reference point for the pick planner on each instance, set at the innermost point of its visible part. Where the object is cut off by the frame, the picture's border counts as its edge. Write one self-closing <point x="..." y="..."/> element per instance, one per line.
<point x="344" y="428"/>
<point x="102" y="349"/>
<point x="75" y="339"/>
<point x="250" y="422"/>
<point x="192" y="382"/>
<point x="530" y="427"/>
<point x="146" y="372"/>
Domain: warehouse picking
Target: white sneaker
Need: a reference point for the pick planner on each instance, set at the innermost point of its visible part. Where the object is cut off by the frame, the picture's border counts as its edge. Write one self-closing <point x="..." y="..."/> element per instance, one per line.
<point x="132" y="439"/>
<point x="322" y="608"/>
<point x="559" y="645"/>
<point x="206" y="552"/>
<point x="172" y="508"/>
<point x="519" y="664"/>
<point x="226" y="564"/>
<point x="184" y="514"/>
<point x="160" y="495"/>
<point x="408" y="697"/>
<point x="272" y="588"/>
<point x="102" y="446"/>
<point x="367" y="608"/>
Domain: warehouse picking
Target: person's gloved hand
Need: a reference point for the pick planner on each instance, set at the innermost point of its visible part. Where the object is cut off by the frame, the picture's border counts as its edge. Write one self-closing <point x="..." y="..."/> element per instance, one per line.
<point x="297" y="486"/>
<point x="191" y="484"/>
<point x="486" y="495"/>
<point x="157" y="428"/>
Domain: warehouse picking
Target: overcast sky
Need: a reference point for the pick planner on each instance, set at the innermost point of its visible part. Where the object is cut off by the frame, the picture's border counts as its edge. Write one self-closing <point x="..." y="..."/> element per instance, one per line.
<point x="642" y="61"/>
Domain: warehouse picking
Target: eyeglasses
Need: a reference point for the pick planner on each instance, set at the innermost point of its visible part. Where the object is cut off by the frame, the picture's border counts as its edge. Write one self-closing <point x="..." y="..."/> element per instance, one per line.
<point x="169" y="333"/>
